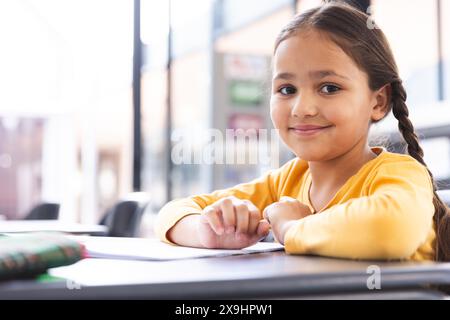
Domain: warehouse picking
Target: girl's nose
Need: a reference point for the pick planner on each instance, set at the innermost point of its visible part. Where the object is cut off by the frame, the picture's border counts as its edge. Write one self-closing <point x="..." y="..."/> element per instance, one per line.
<point x="303" y="106"/>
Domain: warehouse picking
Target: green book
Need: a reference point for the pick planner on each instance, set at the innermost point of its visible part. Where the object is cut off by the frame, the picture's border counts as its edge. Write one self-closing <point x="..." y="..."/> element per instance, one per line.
<point x="31" y="254"/>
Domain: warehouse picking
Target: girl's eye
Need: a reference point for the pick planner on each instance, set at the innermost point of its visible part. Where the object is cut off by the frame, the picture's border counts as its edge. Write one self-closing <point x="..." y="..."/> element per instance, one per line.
<point x="287" y="90"/>
<point x="329" y="88"/>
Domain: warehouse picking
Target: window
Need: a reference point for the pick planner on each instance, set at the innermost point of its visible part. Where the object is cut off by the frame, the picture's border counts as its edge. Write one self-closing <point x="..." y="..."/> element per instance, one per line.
<point x="66" y="100"/>
<point x="413" y="39"/>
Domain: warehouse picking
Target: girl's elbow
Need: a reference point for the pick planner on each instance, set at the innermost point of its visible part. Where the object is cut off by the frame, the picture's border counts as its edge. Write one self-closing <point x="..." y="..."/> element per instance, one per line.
<point x="399" y="239"/>
<point x="397" y="250"/>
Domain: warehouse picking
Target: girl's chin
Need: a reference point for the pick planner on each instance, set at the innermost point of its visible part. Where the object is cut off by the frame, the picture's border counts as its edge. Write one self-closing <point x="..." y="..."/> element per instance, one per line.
<point x="309" y="155"/>
<point x="310" y="158"/>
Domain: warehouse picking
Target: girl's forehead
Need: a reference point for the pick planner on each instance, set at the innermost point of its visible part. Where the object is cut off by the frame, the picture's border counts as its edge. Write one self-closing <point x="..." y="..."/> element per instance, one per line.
<point x="309" y="44"/>
<point x="312" y="50"/>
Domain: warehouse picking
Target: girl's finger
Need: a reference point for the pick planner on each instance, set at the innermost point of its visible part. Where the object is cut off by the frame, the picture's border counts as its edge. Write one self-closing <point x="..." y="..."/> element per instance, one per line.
<point x="263" y="228"/>
<point x="242" y="217"/>
<point x="228" y="215"/>
<point x="266" y="214"/>
<point x="255" y="216"/>
<point x="213" y="218"/>
<point x="251" y="205"/>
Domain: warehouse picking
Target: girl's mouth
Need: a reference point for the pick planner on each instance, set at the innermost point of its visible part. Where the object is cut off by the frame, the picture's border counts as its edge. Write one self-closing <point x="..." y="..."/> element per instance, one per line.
<point x="305" y="131"/>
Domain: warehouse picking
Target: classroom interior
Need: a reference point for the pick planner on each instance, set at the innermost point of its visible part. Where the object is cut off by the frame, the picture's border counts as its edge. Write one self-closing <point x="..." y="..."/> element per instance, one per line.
<point x="97" y="96"/>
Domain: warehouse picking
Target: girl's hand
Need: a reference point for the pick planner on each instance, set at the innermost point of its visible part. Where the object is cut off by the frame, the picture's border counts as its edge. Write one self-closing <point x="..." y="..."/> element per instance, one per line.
<point x="231" y="223"/>
<point x="283" y="214"/>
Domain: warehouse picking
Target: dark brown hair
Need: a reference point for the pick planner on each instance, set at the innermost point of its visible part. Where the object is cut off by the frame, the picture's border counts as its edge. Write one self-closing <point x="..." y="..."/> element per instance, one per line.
<point x="356" y="34"/>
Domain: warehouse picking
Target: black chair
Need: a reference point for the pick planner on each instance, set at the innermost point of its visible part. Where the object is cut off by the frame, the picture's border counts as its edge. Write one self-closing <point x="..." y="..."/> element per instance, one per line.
<point x="44" y="211"/>
<point x="123" y="219"/>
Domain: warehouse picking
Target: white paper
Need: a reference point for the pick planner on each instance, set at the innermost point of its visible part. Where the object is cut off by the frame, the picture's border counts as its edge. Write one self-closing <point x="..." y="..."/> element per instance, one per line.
<point x="154" y="249"/>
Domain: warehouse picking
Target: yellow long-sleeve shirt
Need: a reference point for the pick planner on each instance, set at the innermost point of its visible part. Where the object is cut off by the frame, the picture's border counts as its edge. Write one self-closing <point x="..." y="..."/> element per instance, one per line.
<point x="384" y="211"/>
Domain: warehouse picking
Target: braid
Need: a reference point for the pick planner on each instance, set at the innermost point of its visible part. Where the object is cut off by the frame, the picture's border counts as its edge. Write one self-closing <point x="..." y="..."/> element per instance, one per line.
<point x="401" y="113"/>
<point x="441" y="216"/>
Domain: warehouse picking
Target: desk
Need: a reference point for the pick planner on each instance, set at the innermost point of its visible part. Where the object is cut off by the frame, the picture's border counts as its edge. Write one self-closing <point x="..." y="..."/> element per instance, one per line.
<point x="16" y="226"/>
<point x="263" y="275"/>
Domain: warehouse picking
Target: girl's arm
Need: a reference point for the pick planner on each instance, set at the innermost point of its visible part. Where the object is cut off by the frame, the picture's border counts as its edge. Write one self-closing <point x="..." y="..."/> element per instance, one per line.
<point x="184" y="232"/>
<point x="390" y="223"/>
<point x="261" y="192"/>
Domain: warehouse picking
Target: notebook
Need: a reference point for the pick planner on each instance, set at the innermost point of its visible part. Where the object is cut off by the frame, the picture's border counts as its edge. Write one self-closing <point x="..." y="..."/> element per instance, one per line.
<point x="154" y="249"/>
<point x="31" y="254"/>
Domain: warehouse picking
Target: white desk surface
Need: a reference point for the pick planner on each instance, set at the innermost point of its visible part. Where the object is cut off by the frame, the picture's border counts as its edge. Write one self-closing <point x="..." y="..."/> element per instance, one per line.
<point x="17" y="226"/>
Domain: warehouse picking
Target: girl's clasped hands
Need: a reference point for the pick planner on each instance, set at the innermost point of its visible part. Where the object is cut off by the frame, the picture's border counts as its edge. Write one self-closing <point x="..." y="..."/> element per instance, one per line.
<point x="232" y="223"/>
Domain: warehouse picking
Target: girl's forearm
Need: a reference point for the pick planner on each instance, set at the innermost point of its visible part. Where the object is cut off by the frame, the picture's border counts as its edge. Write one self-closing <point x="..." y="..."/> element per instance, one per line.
<point x="184" y="232"/>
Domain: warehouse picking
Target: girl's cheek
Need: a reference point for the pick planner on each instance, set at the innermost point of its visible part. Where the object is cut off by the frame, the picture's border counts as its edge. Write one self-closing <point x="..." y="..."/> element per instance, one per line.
<point x="337" y="114"/>
<point x="273" y="107"/>
<point x="277" y="114"/>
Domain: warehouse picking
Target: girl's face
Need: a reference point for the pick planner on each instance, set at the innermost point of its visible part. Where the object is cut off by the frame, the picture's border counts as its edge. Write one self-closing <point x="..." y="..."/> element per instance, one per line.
<point x="317" y="85"/>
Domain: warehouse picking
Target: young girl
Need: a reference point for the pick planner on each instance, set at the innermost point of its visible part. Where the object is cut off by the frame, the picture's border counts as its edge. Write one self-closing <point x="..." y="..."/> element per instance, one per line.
<point x="333" y="76"/>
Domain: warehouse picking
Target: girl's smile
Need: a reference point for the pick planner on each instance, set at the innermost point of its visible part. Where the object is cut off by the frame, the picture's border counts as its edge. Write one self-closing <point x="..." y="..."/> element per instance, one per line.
<point x="307" y="130"/>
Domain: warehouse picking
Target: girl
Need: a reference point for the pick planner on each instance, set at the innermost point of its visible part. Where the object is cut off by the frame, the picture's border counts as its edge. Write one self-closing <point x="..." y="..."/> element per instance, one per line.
<point x="333" y="77"/>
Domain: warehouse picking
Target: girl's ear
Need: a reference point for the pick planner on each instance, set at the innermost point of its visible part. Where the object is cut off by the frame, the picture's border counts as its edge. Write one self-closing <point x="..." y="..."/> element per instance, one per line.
<point x="382" y="98"/>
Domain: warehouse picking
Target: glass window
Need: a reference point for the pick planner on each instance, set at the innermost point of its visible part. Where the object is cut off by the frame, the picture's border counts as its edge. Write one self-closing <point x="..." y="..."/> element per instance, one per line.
<point x="242" y="91"/>
<point x="21" y="145"/>
<point x="413" y="40"/>
<point x="445" y="20"/>
<point x="303" y="5"/>
<point x="66" y="99"/>
<point x="190" y="119"/>
<point x="248" y="40"/>
<point x="190" y="74"/>
<point x="154" y="34"/>
<point x="238" y="14"/>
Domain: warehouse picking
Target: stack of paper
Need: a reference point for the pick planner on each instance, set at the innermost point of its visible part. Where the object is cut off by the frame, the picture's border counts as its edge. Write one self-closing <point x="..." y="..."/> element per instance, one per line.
<point x="153" y="249"/>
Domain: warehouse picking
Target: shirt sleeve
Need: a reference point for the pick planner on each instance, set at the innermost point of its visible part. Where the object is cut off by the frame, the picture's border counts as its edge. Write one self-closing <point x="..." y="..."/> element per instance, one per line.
<point x="261" y="192"/>
<point x="391" y="222"/>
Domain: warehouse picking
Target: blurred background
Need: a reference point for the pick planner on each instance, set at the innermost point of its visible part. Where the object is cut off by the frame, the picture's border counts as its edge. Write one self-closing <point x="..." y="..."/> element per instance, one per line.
<point x="93" y="94"/>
